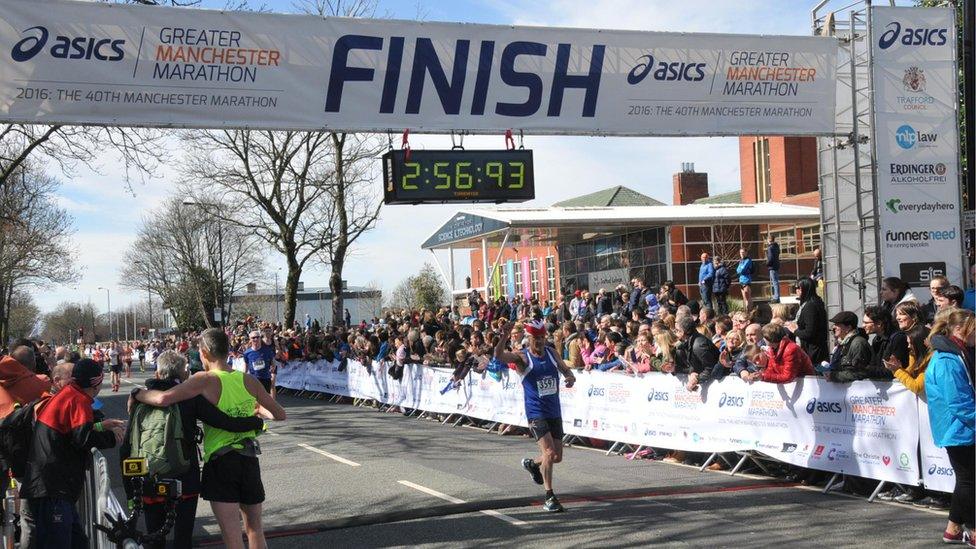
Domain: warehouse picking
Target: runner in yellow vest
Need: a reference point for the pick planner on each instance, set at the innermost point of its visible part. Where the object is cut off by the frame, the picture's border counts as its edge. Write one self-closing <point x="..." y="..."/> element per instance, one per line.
<point x="231" y="472"/>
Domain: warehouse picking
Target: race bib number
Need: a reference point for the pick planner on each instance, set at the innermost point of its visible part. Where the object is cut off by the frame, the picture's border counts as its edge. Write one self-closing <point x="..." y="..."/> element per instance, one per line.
<point x="258" y="365"/>
<point x="547" y="386"/>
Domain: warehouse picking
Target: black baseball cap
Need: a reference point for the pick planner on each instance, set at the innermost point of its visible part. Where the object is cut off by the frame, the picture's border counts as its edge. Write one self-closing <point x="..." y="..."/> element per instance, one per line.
<point x="87" y="373"/>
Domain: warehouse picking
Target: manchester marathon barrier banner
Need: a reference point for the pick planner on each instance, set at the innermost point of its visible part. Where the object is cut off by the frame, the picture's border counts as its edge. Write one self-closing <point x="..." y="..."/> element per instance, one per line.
<point x="131" y="65"/>
<point x="865" y="428"/>
<point x="917" y="143"/>
<point x="937" y="472"/>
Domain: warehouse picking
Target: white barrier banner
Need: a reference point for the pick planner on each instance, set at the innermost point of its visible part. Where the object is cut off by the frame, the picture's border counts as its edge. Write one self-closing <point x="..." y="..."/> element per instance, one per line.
<point x="937" y="472"/>
<point x="917" y="143"/>
<point x="131" y="65"/>
<point x="865" y="428"/>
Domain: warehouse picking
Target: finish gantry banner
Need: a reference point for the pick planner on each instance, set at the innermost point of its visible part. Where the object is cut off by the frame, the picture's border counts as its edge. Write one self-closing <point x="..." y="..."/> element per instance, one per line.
<point x="917" y="143"/>
<point x="65" y="62"/>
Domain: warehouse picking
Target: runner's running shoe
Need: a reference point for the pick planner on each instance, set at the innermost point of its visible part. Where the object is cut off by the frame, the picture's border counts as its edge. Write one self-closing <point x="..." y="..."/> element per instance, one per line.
<point x="553" y="506"/>
<point x="533" y="468"/>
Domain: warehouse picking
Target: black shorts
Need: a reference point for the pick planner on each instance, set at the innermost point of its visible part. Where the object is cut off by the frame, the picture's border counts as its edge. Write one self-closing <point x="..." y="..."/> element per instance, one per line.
<point x="115" y="368"/>
<point x="232" y="478"/>
<point x="553" y="426"/>
<point x="266" y="383"/>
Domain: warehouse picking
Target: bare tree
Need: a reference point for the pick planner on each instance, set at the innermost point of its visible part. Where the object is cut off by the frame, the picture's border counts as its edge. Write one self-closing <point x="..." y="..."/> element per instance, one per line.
<point x="180" y="256"/>
<point x="35" y="238"/>
<point x="276" y="185"/>
<point x="356" y="206"/>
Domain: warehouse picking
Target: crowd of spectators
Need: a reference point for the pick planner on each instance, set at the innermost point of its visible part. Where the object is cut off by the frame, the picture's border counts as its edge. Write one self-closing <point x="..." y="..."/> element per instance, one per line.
<point x="642" y="328"/>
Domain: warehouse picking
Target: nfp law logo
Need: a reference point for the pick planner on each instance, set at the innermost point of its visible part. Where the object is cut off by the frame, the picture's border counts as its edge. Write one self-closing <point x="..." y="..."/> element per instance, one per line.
<point x="912" y="36"/>
<point x="66" y="47"/>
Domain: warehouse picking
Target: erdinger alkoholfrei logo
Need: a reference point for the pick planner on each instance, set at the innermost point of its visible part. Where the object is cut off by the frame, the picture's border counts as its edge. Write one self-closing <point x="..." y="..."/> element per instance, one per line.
<point x="912" y="36"/>
<point x="66" y="47"/>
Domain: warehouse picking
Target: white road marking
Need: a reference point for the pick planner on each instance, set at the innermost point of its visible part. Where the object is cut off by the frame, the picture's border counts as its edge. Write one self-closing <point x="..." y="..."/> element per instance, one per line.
<point x="328" y="455"/>
<point x="445" y="497"/>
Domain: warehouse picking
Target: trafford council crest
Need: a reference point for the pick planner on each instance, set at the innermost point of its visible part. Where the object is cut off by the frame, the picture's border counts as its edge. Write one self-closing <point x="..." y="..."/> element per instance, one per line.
<point x="914" y="80"/>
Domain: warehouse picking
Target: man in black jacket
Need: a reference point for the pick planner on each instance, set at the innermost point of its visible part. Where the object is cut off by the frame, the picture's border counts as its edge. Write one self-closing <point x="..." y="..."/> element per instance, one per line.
<point x="695" y="354"/>
<point x="851" y="359"/>
<point x="64" y="433"/>
<point x="171" y="370"/>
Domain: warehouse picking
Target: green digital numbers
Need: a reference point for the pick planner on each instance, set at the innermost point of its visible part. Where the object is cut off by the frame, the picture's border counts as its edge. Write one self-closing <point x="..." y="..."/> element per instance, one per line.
<point x="445" y="179"/>
<point x="462" y="180"/>
<point x="405" y="181"/>
<point x="494" y="170"/>
<point x="518" y="175"/>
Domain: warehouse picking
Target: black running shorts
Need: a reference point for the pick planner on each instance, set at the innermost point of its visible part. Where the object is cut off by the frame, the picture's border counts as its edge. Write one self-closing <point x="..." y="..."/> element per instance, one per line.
<point x="233" y="478"/>
<point x="553" y="426"/>
<point x="266" y="383"/>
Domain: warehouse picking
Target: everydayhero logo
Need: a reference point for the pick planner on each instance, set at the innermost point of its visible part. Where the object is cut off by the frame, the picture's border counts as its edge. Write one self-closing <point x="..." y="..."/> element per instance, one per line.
<point x="450" y="81"/>
<point x="67" y="47"/>
<point x="919" y="36"/>
<point x="895" y="205"/>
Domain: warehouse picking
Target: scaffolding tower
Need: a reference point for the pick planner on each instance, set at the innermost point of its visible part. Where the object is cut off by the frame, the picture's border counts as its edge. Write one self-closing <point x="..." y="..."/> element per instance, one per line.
<point x="847" y="174"/>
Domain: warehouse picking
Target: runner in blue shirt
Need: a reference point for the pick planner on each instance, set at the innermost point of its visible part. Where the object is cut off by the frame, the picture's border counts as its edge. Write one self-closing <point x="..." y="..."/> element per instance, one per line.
<point x="540" y="367"/>
<point x="259" y="360"/>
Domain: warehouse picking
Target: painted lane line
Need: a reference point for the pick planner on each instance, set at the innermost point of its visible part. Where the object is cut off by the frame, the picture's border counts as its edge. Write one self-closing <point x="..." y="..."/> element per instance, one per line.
<point x="328" y="455"/>
<point x="445" y="497"/>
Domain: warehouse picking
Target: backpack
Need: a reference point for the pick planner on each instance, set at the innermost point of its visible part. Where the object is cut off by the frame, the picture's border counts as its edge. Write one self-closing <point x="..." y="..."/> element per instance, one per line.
<point x="16" y="431"/>
<point x="157" y="435"/>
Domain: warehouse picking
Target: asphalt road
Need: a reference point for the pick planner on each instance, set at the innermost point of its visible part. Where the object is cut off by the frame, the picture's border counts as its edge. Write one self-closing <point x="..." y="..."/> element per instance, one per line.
<point x="344" y="476"/>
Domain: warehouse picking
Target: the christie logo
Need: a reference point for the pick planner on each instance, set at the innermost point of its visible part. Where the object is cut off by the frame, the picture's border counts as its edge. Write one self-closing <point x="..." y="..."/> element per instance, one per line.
<point x="731" y="401"/>
<point x="912" y="37"/>
<point x="895" y="205"/>
<point x="660" y="396"/>
<point x="67" y="47"/>
<point x="823" y="406"/>
<point x="596" y="391"/>
<point x="907" y="137"/>
<point x="941" y="471"/>
<point x="665" y="70"/>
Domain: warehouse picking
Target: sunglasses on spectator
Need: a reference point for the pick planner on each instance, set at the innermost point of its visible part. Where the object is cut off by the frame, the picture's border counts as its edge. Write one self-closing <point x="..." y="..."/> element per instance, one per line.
<point x="256" y="337"/>
<point x="936" y="289"/>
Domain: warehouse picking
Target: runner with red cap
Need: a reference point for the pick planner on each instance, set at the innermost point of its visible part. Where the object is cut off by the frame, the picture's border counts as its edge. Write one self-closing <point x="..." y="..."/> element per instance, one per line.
<point x="539" y="367"/>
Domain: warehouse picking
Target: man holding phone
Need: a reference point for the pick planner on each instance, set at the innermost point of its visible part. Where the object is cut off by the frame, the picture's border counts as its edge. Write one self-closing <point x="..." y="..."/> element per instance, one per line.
<point x="540" y="368"/>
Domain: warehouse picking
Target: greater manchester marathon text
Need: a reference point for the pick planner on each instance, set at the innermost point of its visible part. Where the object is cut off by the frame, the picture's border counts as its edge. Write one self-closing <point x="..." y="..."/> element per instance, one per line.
<point x="211" y="55"/>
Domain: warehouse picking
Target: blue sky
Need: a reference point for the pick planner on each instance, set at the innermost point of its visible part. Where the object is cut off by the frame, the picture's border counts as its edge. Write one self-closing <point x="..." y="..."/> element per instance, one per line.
<point x="106" y="214"/>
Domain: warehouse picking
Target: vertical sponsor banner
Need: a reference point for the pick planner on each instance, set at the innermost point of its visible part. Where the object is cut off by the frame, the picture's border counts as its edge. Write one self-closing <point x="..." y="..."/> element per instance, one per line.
<point x="937" y="472"/>
<point x="543" y="280"/>
<point x="916" y="143"/>
<point x="496" y="283"/>
<point x="510" y="279"/>
<point x="526" y="279"/>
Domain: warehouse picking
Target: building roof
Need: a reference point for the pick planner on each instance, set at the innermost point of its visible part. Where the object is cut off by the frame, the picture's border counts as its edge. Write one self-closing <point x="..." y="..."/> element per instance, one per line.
<point x="612" y="197"/>
<point x="731" y="197"/>
<point x="467" y="227"/>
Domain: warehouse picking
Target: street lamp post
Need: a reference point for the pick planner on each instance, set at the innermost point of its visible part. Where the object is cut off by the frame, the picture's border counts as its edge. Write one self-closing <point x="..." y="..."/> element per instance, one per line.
<point x="277" y="313"/>
<point x="108" y="303"/>
<point x="148" y="294"/>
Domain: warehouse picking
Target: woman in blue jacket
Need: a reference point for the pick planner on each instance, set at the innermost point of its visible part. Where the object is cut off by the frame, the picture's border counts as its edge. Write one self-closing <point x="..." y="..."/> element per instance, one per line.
<point x="952" y="411"/>
<point x="744" y="270"/>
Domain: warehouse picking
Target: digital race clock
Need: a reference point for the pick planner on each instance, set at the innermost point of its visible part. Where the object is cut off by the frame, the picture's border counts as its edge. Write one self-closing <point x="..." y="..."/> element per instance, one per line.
<point x="435" y="177"/>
